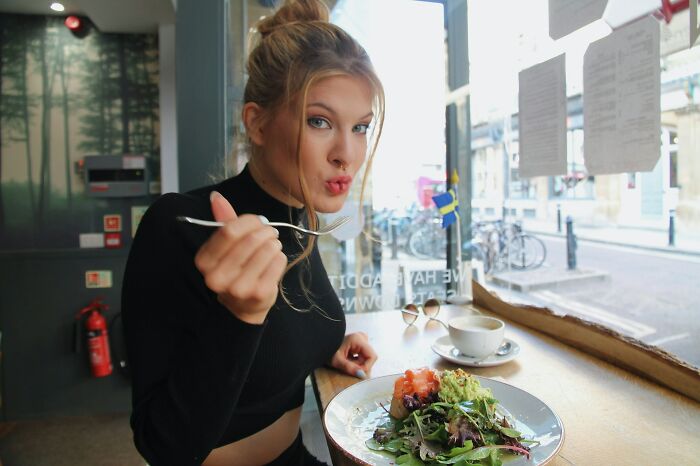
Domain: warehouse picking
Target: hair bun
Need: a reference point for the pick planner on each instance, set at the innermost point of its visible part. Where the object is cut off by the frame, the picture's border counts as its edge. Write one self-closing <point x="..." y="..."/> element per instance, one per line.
<point x="294" y="11"/>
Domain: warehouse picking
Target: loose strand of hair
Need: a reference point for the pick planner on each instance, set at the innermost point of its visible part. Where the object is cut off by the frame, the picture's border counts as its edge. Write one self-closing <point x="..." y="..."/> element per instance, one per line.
<point x="312" y="219"/>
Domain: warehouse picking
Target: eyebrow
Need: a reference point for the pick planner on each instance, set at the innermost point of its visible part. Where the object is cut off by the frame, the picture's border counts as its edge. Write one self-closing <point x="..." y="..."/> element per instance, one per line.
<point x="324" y="106"/>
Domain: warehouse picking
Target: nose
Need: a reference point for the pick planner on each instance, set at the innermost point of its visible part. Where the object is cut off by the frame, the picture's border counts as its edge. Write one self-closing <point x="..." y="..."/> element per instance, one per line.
<point x="346" y="150"/>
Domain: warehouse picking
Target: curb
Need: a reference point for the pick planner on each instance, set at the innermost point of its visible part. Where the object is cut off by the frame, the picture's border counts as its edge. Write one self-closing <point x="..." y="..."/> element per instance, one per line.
<point x="667" y="249"/>
<point x="523" y="286"/>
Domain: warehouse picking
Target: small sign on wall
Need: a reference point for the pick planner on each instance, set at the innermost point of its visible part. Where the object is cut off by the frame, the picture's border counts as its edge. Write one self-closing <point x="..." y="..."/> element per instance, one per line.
<point x="112" y="222"/>
<point x="113" y="240"/>
<point x="98" y="279"/>
<point x="92" y="240"/>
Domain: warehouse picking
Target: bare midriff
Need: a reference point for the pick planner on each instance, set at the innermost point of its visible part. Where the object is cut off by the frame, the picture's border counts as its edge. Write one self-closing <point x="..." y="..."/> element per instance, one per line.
<point x="260" y="448"/>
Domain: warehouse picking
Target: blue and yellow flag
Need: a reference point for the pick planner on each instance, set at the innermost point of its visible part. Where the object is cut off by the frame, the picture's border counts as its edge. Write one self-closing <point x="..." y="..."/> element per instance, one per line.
<point x="448" y="206"/>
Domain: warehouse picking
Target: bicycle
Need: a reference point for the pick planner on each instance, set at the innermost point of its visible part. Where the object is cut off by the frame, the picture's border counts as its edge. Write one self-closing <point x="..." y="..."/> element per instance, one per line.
<point x="504" y="245"/>
<point x="429" y="239"/>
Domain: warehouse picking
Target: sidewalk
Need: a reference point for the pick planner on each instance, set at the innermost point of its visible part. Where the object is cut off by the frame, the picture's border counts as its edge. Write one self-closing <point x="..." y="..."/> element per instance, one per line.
<point x="643" y="238"/>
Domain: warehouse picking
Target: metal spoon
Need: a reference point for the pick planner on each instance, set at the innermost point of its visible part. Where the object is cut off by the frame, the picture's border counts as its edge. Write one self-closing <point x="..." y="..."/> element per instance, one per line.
<point x="504" y="349"/>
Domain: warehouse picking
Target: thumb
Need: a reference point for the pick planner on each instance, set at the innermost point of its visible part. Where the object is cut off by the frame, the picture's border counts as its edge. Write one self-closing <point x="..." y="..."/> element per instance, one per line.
<point x="221" y="208"/>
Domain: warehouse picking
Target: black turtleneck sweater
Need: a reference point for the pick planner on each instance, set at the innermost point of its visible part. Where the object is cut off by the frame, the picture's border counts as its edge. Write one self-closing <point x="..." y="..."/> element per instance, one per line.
<point x="201" y="377"/>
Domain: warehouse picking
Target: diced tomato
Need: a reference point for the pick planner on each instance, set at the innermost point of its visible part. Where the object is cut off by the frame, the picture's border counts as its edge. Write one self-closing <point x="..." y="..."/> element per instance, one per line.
<point x="421" y="382"/>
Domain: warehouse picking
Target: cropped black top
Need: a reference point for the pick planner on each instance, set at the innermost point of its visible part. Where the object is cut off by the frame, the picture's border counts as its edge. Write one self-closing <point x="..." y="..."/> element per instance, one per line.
<point x="201" y="377"/>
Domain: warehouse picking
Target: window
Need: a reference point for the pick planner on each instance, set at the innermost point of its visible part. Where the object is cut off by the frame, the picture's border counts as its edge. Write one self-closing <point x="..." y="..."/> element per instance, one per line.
<point x="625" y="288"/>
<point x="576" y="184"/>
<point x="401" y="255"/>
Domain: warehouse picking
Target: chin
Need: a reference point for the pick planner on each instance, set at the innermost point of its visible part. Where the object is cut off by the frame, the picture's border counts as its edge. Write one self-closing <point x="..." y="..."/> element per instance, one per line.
<point x="331" y="206"/>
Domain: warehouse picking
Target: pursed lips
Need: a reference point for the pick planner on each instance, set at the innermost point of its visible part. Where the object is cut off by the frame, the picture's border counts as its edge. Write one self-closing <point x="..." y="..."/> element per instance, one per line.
<point x="339" y="184"/>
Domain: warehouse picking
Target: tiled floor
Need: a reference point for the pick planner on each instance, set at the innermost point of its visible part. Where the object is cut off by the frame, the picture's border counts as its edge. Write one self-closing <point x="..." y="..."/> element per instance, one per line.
<point x="106" y="440"/>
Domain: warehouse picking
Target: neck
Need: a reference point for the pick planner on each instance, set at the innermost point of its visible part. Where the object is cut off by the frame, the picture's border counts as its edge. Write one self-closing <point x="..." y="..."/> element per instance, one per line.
<point x="257" y="173"/>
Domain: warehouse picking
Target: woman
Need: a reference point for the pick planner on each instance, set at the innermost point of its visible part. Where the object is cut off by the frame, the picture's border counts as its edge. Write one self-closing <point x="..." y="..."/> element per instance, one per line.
<point x="223" y="326"/>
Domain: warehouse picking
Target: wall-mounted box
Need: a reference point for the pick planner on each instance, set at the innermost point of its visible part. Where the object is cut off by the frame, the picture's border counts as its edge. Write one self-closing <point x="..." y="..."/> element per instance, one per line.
<point x="116" y="175"/>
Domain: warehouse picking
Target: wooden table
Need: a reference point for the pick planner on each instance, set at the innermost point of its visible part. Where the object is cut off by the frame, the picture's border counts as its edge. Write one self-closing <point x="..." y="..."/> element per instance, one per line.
<point x="610" y="416"/>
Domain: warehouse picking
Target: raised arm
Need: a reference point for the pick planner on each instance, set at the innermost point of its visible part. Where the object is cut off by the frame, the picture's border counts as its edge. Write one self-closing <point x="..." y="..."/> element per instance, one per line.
<point x="190" y="354"/>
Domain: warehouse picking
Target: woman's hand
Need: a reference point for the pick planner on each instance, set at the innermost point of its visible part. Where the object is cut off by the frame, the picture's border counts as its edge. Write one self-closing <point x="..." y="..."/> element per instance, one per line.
<point x="355" y="355"/>
<point x="242" y="262"/>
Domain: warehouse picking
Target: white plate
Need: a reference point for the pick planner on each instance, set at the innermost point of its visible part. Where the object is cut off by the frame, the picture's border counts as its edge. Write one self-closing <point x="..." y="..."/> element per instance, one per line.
<point x="444" y="347"/>
<point x="353" y="414"/>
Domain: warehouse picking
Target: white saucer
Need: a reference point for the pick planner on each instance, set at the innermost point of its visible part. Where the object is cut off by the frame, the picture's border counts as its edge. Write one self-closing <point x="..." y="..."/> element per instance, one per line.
<point x="443" y="346"/>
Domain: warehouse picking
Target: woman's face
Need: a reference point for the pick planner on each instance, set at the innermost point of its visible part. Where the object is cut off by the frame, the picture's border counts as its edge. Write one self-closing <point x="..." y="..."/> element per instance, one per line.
<point x="333" y="146"/>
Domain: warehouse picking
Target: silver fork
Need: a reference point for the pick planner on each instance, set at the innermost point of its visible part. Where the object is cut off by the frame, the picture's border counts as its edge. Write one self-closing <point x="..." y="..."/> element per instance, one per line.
<point x="329" y="228"/>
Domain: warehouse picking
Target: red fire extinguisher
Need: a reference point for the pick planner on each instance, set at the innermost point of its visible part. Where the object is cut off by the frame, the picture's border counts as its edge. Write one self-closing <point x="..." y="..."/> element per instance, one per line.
<point x="97" y="337"/>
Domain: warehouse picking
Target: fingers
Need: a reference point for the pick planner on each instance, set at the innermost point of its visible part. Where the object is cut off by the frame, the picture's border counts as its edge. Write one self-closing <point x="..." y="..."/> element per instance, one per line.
<point x="242" y="262"/>
<point x="262" y="271"/>
<point x="236" y="267"/>
<point x="367" y="358"/>
<point x="221" y="208"/>
<point x="353" y="369"/>
<point x="273" y="273"/>
<point x="355" y="355"/>
<point x="226" y="238"/>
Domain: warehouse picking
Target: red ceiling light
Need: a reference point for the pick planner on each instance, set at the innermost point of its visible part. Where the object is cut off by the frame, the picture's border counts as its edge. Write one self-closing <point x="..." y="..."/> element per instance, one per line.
<point x="73" y="23"/>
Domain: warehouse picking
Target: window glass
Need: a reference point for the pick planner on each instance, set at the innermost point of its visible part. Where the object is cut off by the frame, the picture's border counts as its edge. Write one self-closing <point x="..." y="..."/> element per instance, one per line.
<point x="396" y="253"/>
<point x="631" y="263"/>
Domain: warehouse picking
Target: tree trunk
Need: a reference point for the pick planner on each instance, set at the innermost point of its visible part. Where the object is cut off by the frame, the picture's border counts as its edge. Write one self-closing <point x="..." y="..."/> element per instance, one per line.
<point x="101" y="99"/>
<point x="45" y="130"/>
<point x="66" y="126"/>
<point x="124" y="93"/>
<point x="25" y="100"/>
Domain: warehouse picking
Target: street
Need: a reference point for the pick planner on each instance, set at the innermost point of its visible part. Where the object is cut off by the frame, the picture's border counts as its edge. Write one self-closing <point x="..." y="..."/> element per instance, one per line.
<point x="652" y="296"/>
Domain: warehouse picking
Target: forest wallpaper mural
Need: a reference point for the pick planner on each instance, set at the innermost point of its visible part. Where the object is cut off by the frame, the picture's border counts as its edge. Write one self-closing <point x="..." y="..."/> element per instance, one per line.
<point x="63" y="97"/>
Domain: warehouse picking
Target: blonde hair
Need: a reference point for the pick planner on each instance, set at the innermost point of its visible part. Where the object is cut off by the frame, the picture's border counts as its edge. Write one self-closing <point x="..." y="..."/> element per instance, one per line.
<point x="295" y="48"/>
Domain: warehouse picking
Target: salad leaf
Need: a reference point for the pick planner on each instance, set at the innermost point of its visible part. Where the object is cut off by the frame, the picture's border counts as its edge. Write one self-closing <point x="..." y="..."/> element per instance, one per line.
<point x="459" y="450"/>
<point x="392" y="446"/>
<point x="493" y="459"/>
<point x="491" y="438"/>
<point x="428" y="450"/>
<point x="409" y="460"/>
<point x="476" y="454"/>
<point x="372" y="444"/>
<point x="440" y="434"/>
<point x="512" y="433"/>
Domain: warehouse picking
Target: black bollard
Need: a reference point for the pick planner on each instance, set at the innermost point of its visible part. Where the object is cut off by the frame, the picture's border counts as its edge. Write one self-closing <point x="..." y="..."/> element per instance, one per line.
<point x="570" y="243"/>
<point x="672" y="227"/>
<point x="558" y="218"/>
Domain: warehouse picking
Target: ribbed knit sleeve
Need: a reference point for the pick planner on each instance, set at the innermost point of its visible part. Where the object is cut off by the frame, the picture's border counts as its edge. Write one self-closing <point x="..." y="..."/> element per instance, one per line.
<point x="189" y="356"/>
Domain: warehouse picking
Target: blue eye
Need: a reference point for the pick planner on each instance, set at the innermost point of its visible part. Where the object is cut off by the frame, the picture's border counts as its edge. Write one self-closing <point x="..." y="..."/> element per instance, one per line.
<point x="361" y="129"/>
<point x="318" y="122"/>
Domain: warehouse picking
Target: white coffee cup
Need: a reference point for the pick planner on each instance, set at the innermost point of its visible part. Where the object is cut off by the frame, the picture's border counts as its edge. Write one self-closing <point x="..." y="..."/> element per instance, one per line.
<point x="476" y="336"/>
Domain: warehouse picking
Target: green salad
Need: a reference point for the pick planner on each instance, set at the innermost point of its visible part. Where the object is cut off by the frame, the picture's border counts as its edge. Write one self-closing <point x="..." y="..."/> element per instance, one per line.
<point x="446" y="418"/>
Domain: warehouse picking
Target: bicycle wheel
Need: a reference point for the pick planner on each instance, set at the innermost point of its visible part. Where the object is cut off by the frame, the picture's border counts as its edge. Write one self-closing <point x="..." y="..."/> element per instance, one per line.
<point x="428" y="242"/>
<point x="526" y="252"/>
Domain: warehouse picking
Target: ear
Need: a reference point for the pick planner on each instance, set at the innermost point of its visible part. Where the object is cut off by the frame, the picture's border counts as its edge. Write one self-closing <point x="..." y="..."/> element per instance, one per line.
<point x="252" y="114"/>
